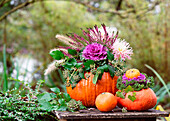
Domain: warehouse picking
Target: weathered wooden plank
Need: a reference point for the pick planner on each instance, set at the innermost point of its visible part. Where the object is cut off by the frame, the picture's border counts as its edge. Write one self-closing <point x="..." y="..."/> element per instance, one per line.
<point x="118" y="119"/>
<point x="93" y="113"/>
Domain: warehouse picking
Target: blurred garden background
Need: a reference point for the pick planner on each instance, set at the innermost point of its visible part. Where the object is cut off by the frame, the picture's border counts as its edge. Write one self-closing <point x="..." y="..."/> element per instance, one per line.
<point x="28" y="29"/>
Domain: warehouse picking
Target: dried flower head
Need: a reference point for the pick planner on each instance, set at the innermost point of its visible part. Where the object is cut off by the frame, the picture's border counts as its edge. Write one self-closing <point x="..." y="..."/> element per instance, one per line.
<point x="52" y="67"/>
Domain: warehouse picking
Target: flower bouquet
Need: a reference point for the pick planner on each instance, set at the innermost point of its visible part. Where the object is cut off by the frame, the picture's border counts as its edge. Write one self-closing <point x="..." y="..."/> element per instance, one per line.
<point x="90" y="64"/>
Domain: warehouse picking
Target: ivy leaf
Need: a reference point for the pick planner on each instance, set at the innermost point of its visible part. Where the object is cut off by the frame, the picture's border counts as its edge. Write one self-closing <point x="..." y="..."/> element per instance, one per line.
<point x="111" y="70"/>
<point x="66" y="97"/>
<point x="120" y="94"/>
<point x="72" y="52"/>
<point x="55" y="89"/>
<point x="110" y="56"/>
<point x="53" y="95"/>
<point x="95" y="78"/>
<point x="44" y="97"/>
<point x="129" y="89"/>
<point x="62" y="108"/>
<point x="46" y="106"/>
<point x="58" y="55"/>
<point x="61" y="101"/>
<point x="132" y="98"/>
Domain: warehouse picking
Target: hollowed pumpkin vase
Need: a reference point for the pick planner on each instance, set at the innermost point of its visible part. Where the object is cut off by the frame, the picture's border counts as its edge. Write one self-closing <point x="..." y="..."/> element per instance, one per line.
<point x="145" y="99"/>
<point x="87" y="92"/>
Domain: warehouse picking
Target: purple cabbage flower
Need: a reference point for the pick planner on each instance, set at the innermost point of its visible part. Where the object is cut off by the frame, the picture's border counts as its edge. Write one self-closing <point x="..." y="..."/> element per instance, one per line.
<point x="138" y="79"/>
<point x="95" y="52"/>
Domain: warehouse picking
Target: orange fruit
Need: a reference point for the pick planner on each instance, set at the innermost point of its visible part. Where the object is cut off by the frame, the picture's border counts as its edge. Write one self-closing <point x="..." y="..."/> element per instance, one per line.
<point x="132" y="73"/>
<point x="106" y="102"/>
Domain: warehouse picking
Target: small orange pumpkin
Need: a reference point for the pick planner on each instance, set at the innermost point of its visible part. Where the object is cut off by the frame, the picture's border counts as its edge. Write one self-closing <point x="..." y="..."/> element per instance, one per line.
<point x="87" y="92"/>
<point x="132" y="73"/>
<point x="106" y="102"/>
<point x="145" y="99"/>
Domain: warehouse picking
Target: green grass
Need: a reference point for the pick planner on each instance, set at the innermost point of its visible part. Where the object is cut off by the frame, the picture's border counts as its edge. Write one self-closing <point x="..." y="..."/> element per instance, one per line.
<point x="159" y="77"/>
<point x="5" y="81"/>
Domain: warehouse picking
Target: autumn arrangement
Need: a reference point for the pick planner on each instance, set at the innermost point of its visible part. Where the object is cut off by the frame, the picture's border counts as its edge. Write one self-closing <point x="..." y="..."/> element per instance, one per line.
<point x="94" y="67"/>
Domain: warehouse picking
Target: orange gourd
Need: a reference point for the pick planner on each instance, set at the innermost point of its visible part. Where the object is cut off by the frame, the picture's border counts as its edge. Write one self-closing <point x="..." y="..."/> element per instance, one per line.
<point x="131" y="73"/>
<point x="87" y="92"/>
<point x="106" y="102"/>
<point x="145" y="99"/>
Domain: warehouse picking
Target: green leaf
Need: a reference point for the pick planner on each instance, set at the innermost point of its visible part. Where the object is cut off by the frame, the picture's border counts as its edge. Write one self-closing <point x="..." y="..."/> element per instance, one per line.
<point x="45" y="106"/>
<point x="120" y="94"/>
<point x="72" y="52"/>
<point x="78" y="65"/>
<point x="111" y="70"/>
<point x="132" y="98"/>
<point x="55" y="89"/>
<point x="87" y="64"/>
<point x="129" y="89"/>
<point x="57" y="55"/>
<point x="110" y="56"/>
<point x="72" y="61"/>
<point x="61" y="101"/>
<point x="62" y="108"/>
<point x="68" y="66"/>
<point x="53" y="95"/>
<point x="95" y="78"/>
<point x="44" y="97"/>
<point x="66" y="97"/>
<point x="82" y="75"/>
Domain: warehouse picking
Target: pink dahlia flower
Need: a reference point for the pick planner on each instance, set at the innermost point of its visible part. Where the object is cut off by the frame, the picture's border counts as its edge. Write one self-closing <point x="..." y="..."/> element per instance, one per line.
<point x="95" y="52"/>
<point x="121" y="49"/>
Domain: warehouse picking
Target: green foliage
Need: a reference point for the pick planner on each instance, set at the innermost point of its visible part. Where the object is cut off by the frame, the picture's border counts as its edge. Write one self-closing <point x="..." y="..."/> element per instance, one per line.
<point x="15" y="107"/>
<point x="120" y="94"/>
<point x="72" y="52"/>
<point x="123" y="92"/>
<point x="35" y="105"/>
<point x="136" y="85"/>
<point x="58" y="101"/>
<point x="110" y="56"/>
<point x="132" y="97"/>
<point x="58" y="55"/>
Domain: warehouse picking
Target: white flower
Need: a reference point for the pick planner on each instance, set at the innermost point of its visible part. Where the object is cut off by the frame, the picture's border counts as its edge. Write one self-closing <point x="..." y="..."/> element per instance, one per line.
<point x="122" y="49"/>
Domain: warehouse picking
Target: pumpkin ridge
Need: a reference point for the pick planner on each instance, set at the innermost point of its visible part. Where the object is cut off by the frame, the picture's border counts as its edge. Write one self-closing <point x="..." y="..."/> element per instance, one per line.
<point x="85" y="92"/>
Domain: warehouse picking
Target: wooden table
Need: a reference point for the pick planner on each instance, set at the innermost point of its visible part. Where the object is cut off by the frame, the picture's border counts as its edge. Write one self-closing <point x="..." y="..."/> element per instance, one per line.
<point x="92" y="114"/>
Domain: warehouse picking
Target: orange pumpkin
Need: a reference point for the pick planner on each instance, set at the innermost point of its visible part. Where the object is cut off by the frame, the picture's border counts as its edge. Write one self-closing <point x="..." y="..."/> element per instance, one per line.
<point x="87" y="92"/>
<point x="145" y="99"/>
<point x="106" y="102"/>
<point x="131" y="73"/>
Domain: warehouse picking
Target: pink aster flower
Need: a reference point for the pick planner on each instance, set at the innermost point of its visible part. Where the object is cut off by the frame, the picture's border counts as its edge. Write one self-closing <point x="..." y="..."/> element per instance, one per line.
<point x="95" y="52"/>
<point x="121" y="49"/>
